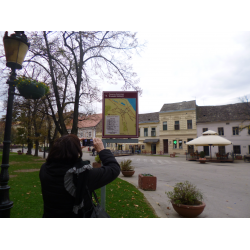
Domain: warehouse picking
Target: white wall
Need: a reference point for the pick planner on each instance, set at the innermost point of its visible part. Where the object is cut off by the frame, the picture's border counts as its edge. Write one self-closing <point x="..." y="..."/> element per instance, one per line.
<point x="243" y="139"/>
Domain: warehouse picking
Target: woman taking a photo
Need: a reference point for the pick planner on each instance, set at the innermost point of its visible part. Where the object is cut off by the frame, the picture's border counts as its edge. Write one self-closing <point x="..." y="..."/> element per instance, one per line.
<point x="66" y="179"/>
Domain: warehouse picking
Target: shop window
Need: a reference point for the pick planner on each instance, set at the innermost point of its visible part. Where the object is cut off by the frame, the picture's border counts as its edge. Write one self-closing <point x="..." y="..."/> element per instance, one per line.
<point x="145" y="132"/>
<point x="174" y="144"/>
<point x="142" y="146"/>
<point x="180" y="144"/>
<point x="204" y="129"/>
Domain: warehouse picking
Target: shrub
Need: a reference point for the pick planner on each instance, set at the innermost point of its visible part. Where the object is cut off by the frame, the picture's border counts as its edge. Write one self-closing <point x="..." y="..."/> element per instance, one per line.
<point x="126" y="165"/>
<point x="97" y="159"/>
<point x="202" y="154"/>
<point x="185" y="193"/>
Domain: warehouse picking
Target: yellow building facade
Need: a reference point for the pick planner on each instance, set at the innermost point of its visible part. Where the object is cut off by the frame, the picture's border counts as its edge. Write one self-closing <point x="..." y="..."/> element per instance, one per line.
<point x="149" y="132"/>
<point x="177" y="123"/>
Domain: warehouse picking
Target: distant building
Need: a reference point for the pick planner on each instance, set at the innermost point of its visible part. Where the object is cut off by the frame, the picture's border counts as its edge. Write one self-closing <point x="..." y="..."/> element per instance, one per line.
<point x="87" y="125"/>
<point x="177" y="126"/>
<point x="149" y="132"/>
<point x="226" y="120"/>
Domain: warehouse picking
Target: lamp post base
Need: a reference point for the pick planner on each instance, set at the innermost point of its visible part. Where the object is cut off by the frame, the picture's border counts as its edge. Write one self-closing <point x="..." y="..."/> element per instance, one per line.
<point x="5" y="203"/>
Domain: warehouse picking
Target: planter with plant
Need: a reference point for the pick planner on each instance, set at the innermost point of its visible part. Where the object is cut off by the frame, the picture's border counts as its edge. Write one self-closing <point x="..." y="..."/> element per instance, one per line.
<point x="238" y="157"/>
<point x="19" y="152"/>
<point x="97" y="163"/>
<point x="126" y="168"/>
<point x="147" y="182"/>
<point x="30" y="88"/>
<point x="186" y="199"/>
<point x="202" y="158"/>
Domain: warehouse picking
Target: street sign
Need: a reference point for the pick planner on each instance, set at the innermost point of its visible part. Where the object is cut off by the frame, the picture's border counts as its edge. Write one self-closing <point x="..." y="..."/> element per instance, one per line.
<point x="120" y="114"/>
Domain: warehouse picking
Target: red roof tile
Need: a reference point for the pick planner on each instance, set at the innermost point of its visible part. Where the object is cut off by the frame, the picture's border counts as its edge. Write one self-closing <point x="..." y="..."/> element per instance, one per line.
<point x="87" y="121"/>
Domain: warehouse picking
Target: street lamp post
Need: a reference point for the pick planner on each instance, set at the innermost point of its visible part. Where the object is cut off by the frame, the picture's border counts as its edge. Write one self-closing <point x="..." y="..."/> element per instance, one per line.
<point x="16" y="47"/>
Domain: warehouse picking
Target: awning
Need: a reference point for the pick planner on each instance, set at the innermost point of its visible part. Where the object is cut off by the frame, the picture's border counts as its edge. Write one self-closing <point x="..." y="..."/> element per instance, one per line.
<point x="150" y="140"/>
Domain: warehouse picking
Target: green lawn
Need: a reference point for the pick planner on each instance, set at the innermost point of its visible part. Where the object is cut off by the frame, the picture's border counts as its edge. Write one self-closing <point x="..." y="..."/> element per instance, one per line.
<point x="123" y="200"/>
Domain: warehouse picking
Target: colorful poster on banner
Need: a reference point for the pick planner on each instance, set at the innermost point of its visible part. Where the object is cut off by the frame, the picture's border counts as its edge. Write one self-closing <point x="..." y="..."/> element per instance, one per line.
<point x="120" y="114"/>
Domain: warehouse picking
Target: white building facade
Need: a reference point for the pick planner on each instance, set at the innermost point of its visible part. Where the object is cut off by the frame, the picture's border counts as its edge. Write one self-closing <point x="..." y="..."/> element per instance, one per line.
<point x="226" y="120"/>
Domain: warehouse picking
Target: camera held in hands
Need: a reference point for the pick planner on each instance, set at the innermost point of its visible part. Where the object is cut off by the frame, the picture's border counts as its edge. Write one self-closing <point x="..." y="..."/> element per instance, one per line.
<point x="87" y="142"/>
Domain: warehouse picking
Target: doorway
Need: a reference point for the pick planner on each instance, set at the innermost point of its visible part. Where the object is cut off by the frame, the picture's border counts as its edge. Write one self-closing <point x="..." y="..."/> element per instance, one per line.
<point x="153" y="149"/>
<point x="190" y="147"/>
<point x="165" y="146"/>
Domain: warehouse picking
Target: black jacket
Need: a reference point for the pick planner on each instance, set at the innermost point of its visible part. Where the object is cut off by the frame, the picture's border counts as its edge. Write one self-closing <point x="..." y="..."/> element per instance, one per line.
<point x="58" y="203"/>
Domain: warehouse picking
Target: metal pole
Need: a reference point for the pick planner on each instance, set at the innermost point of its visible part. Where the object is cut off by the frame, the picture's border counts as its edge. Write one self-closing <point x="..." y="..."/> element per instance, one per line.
<point x="103" y="189"/>
<point x="44" y="148"/>
<point x="5" y="203"/>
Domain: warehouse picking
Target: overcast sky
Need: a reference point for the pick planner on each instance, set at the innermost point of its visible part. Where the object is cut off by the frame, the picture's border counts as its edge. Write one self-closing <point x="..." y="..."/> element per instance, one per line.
<point x="212" y="68"/>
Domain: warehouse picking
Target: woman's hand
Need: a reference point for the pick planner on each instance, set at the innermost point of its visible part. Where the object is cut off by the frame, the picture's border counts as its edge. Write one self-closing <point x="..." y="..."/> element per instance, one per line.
<point x="98" y="144"/>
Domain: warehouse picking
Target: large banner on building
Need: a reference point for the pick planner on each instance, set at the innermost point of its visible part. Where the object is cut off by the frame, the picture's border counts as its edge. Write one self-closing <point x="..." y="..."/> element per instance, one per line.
<point x="120" y="114"/>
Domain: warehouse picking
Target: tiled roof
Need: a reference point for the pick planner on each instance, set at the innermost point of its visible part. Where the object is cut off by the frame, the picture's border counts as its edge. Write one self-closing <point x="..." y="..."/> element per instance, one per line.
<point x="222" y="113"/>
<point x="178" y="106"/>
<point x="87" y="121"/>
<point x="149" y="117"/>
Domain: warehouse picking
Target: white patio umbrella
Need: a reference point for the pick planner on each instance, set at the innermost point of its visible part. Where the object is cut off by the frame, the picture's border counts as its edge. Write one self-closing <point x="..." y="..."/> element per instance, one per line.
<point x="210" y="138"/>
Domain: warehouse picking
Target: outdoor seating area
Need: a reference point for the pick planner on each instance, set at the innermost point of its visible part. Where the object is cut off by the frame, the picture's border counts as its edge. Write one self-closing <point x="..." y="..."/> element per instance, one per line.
<point x="246" y="158"/>
<point x="222" y="156"/>
<point x="117" y="153"/>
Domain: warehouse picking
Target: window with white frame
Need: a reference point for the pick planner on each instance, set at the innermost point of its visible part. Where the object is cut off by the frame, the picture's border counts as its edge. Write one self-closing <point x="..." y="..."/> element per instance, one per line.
<point x="236" y="149"/>
<point x="176" y="125"/>
<point x="153" y="132"/>
<point x="221" y="131"/>
<point x="235" y="130"/>
<point x="189" y="124"/>
<point x="165" y="126"/>
<point x="145" y="132"/>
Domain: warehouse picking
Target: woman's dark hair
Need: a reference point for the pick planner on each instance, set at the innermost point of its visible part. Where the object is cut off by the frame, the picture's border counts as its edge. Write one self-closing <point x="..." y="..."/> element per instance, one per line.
<point x="66" y="148"/>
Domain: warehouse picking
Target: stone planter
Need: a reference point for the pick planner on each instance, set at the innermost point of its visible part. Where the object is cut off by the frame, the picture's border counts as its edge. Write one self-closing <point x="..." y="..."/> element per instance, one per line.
<point x="147" y="183"/>
<point x="20" y="153"/>
<point x="238" y="157"/>
<point x="189" y="211"/>
<point x="128" y="173"/>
